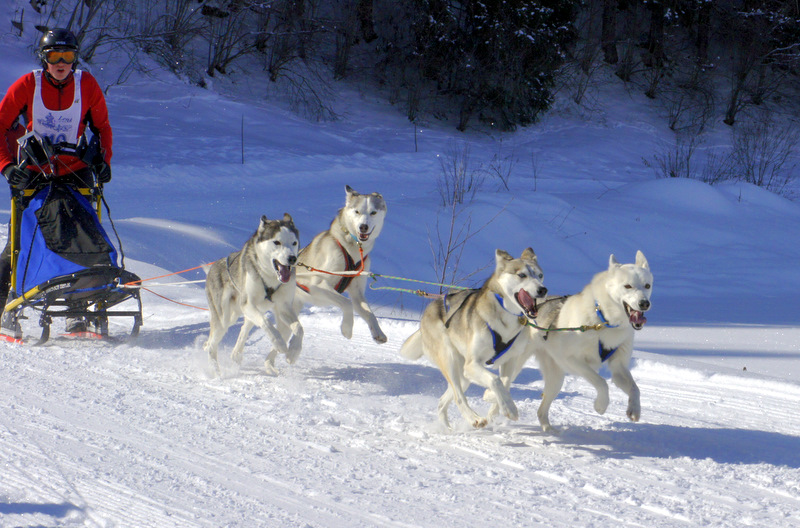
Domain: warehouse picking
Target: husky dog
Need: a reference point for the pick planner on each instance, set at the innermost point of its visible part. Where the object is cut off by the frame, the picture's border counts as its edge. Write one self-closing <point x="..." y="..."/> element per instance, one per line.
<point x="343" y="252"/>
<point x="258" y="278"/>
<point x="468" y="331"/>
<point x="613" y="306"/>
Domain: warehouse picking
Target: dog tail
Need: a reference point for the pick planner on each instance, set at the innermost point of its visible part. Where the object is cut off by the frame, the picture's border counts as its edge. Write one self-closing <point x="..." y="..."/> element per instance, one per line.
<point x="412" y="348"/>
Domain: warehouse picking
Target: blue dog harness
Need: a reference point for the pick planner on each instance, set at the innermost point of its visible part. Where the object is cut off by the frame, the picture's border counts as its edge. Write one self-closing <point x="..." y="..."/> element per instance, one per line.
<point x="604" y="352"/>
<point x="500" y="346"/>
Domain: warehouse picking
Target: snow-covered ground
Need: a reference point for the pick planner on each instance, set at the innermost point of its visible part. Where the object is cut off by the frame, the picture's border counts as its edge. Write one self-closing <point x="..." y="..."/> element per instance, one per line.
<point x="140" y="435"/>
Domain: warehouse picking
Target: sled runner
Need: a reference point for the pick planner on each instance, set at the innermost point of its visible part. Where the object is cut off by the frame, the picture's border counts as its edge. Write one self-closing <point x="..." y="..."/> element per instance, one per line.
<point x="63" y="263"/>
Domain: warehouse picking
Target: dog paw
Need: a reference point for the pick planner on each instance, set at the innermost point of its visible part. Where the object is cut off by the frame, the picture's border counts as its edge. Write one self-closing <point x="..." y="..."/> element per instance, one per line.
<point x="600" y="405"/>
<point x="380" y="339"/>
<point x="270" y="368"/>
<point x="347" y="331"/>
<point x="511" y="413"/>
<point x="551" y="430"/>
<point x="214" y="371"/>
<point x="293" y="353"/>
<point x="479" y="423"/>
<point x="634" y="415"/>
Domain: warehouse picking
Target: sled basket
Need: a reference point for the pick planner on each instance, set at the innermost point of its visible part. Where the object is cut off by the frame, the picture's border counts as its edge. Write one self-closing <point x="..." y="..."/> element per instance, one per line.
<point x="63" y="262"/>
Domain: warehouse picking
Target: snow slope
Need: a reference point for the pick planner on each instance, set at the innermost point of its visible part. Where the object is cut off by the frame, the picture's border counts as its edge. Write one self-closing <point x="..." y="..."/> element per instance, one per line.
<point x="141" y="434"/>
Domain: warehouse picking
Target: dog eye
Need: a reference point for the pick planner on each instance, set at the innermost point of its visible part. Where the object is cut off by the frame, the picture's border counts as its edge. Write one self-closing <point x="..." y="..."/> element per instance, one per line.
<point x="541" y="276"/>
<point x="521" y="275"/>
<point x="373" y="213"/>
<point x="628" y="286"/>
<point x="276" y="242"/>
<point x="646" y="286"/>
<point x="294" y="243"/>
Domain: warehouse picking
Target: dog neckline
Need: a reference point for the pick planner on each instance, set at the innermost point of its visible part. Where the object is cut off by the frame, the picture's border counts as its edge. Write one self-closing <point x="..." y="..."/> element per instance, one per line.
<point x="501" y="300"/>
<point x="602" y="317"/>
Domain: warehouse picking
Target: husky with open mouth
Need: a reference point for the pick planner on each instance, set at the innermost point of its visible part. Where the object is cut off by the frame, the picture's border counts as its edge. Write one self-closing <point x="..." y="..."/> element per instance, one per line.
<point x="609" y="309"/>
<point x="468" y="332"/>
<point x="336" y="262"/>
<point x="257" y="279"/>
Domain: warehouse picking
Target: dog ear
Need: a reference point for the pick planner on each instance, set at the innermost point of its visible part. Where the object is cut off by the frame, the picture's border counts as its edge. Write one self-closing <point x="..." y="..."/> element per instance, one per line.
<point x="264" y="219"/>
<point x="499" y="255"/>
<point x="349" y="190"/>
<point x="612" y="262"/>
<point x="528" y="254"/>
<point x="641" y="261"/>
<point x="288" y="218"/>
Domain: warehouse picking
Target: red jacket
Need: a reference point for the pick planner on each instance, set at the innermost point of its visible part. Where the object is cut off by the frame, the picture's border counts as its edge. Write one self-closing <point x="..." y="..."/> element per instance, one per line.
<point x="18" y="101"/>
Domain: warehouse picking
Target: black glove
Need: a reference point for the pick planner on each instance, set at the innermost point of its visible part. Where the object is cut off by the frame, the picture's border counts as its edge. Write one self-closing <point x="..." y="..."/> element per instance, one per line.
<point x="103" y="172"/>
<point x="17" y="178"/>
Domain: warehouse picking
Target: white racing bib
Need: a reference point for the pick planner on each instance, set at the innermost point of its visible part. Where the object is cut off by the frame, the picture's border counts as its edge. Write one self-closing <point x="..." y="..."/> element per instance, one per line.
<point x="59" y="126"/>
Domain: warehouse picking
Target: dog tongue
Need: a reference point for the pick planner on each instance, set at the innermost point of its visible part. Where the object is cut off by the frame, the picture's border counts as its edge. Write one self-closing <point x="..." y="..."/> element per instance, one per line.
<point x="526" y="301"/>
<point x="284" y="273"/>
<point x="638" y="318"/>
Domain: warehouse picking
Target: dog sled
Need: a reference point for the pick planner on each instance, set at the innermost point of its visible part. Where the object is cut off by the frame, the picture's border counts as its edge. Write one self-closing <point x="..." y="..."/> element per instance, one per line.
<point x="63" y="263"/>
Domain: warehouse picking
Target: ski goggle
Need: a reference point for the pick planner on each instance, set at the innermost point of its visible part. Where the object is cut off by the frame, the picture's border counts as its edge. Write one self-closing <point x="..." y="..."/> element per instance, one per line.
<point x="56" y="56"/>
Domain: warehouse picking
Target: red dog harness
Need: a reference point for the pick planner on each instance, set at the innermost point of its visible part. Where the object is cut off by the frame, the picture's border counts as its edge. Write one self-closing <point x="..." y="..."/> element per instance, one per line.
<point x="349" y="266"/>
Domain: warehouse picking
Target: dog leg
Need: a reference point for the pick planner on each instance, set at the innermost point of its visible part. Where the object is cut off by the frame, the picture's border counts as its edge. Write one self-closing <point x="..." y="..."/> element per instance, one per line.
<point x="211" y="349"/>
<point x="623" y="379"/>
<point x="269" y="364"/>
<point x="453" y="368"/>
<point x="553" y="381"/>
<point x="597" y="381"/>
<point x="291" y="331"/>
<point x="238" y="348"/>
<point x="211" y="346"/>
<point x="479" y="375"/>
<point x="256" y="316"/>
<point x="216" y="331"/>
<point x="444" y="402"/>
<point x="325" y="296"/>
<point x="508" y="373"/>
<point x="362" y="308"/>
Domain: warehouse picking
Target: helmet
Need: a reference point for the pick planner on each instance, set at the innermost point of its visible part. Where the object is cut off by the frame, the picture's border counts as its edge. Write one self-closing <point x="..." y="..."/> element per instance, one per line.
<point x="58" y="38"/>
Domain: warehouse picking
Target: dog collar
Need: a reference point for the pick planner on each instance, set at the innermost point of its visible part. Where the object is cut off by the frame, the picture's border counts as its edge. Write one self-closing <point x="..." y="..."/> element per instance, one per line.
<point x="520" y="316"/>
<point x="602" y="317"/>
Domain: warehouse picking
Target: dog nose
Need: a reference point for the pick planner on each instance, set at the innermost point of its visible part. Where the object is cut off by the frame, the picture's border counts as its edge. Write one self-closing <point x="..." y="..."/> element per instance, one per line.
<point x="292" y="260"/>
<point x="644" y="305"/>
<point x="542" y="291"/>
<point x="363" y="228"/>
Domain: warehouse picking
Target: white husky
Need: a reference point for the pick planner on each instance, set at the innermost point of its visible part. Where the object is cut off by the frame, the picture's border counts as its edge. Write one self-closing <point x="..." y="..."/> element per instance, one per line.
<point x="468" y="331"/>
<point x="258" y="278"/>
<point x="613" y="303"/>
<point x="336" y="262"/>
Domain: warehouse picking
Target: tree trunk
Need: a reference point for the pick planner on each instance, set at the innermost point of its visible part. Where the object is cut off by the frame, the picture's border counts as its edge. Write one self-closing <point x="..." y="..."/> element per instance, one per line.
<point x="365" y="10"/>
<point x="608" y="38"/>
<point x="703" y="31"/>
<point x="655" y="40"/>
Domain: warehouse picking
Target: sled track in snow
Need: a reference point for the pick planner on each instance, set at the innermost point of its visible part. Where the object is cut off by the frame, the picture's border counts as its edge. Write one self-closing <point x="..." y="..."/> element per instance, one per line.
<point x="137" y="435"/>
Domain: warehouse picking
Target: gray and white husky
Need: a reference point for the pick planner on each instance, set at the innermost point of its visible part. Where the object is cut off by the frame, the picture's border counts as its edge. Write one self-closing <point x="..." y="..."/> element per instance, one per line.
<point x="342" y="251"/>
<point x="467" y="332"/>
<point x="257" y="279"/>
<point x="613" y="303"/>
